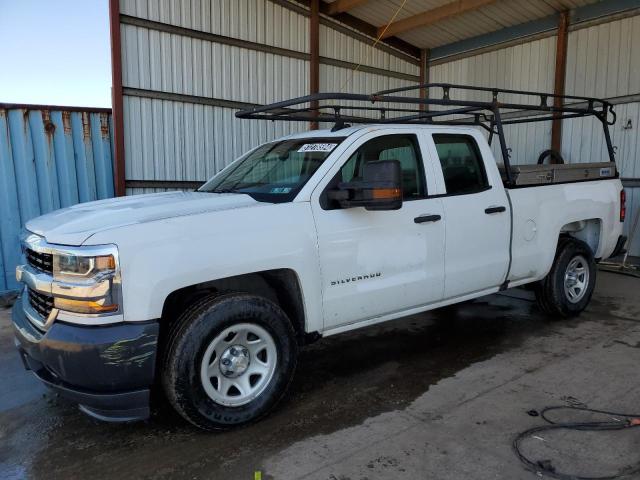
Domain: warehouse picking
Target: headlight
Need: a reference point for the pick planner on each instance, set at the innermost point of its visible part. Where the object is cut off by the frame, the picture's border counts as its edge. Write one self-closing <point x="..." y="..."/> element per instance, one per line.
<point x="75" y="266"/>
<point x="80" y="279"/>
<point x="86" y="284"/>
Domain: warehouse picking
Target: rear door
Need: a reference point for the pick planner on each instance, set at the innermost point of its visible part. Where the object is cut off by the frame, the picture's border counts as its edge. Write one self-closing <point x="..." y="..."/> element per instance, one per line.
<point x="375" y="263"/>
<point x="476" y="214"/>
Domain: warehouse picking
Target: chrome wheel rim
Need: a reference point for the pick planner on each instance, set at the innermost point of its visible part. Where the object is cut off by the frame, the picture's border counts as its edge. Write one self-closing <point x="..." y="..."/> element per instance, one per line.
<point x="576" y="279"/>
<point x="238" y="364"/>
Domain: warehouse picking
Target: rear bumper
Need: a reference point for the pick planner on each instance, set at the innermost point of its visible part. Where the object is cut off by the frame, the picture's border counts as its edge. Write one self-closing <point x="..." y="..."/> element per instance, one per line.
<point x="108" y="370"/>
<point x="619" y="250"/>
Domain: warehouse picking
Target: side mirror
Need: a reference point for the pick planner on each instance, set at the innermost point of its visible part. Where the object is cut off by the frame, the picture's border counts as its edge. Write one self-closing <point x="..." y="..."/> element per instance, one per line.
<point x="379" y="189"/>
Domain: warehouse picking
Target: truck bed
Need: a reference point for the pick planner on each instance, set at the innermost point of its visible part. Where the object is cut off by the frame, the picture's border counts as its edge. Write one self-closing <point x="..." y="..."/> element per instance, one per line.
<point x="530" y="175"/>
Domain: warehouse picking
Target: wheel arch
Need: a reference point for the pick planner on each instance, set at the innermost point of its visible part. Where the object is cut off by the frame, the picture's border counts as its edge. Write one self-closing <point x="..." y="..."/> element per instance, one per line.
<point x="281" y="286"/>
<point x="588" y="231"/>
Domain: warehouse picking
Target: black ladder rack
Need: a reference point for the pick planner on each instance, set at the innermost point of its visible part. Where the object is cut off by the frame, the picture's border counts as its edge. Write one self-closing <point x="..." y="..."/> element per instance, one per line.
<point x="437" y="100"/>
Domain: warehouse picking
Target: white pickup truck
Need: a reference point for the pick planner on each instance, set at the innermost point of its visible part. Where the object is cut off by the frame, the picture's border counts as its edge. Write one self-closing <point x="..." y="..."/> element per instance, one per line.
<point x="211" y="293"/>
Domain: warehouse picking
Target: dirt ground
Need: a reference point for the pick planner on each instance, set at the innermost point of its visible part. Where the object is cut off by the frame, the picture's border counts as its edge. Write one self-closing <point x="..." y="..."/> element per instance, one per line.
<point x="433" y="396"/>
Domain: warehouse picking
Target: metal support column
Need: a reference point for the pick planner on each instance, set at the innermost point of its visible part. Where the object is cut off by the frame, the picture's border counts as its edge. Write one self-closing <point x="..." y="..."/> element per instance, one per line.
<point x="424" y="75"/>
<point x="117" y="100"/>
<point x="314" y="60"/>
<point x="560" y="74"/>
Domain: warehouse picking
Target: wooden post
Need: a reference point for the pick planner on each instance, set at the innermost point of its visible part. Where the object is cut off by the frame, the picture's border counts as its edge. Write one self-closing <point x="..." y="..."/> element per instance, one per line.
<point x="314" y="49"/>
<point x="560" y="74"/>
<point x="424" y="75"/>
<point x="117" y="100"/>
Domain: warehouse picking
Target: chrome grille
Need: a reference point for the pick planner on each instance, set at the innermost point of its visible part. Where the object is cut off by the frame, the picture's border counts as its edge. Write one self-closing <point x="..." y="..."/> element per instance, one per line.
<point x="41" y="303"/>
<point x="40" y="261"/>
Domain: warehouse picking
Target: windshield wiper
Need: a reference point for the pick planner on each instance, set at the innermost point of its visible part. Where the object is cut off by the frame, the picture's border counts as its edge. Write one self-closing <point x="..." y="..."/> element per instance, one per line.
<point x="225" y="190"/>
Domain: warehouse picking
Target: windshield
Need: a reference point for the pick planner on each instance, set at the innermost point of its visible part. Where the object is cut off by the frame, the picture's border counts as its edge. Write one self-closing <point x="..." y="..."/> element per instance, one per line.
<point x="274" y="172"/>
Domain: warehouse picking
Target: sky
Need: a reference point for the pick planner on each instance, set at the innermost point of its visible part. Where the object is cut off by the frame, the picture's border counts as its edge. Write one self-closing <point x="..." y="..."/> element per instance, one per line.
<point x="55" y="52"/>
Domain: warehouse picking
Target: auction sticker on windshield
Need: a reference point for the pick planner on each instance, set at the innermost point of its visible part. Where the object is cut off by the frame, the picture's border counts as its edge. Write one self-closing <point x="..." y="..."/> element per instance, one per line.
<point x="317" y="147"/>
<point x="280" y="190"/>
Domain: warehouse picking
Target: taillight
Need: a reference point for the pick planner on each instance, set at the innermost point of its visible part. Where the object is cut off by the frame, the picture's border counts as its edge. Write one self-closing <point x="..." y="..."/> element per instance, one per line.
<point x="623" y="205"/>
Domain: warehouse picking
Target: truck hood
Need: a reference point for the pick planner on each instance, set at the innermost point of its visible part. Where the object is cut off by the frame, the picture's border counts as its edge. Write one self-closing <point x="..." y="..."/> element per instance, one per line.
<point x="74" y="225"/>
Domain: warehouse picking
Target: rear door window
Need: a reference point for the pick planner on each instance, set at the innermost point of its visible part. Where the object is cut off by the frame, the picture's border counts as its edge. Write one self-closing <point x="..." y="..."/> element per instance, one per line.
<point x="462" y="165"/>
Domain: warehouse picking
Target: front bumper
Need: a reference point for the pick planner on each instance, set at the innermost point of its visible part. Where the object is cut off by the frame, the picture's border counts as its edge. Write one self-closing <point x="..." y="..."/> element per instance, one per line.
<point x="107" y="369"/>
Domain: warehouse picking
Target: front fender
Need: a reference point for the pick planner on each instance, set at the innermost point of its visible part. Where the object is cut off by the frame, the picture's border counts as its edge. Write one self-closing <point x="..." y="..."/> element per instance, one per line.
<point x="158" y="258"/>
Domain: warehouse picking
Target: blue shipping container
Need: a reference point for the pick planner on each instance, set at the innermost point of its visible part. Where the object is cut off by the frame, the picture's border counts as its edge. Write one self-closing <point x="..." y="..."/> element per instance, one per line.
<point x="50" y="158"/>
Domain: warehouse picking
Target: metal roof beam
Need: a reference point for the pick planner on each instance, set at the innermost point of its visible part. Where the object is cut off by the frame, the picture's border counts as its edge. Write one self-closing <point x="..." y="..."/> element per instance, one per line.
<point x="341" y="6"/>
<point x="546" y="25"/>
<point x="432" y="16"/>
<point x="356" y="28"/>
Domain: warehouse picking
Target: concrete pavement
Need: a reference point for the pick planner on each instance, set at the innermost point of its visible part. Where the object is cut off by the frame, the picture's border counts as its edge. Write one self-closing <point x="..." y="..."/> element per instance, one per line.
<point x="438" y="396"/>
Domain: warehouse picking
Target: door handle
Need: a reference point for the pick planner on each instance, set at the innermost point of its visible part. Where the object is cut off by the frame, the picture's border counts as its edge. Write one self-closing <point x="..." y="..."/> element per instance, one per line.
<point x="427" y="218"/>
<point x="490" y="210"/>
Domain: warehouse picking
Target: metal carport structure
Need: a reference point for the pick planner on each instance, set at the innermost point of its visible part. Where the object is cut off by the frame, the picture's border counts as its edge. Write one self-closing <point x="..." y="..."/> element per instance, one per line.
<point x="181" y="69"/>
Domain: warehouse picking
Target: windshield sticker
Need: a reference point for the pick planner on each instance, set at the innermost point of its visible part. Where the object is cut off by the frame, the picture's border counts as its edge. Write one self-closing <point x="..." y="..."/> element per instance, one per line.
<point x="317" y="147"/>
<point x="280" y="190"/>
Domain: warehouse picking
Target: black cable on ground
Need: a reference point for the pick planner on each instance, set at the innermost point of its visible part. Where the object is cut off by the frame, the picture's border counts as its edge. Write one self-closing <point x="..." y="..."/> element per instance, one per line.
<point x="546" y="468"/>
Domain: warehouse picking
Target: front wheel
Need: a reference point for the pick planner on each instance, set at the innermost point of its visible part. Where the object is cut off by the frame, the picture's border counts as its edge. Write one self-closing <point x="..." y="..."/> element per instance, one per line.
<point x="229" y="361"/>
<point x="567" y="289"/>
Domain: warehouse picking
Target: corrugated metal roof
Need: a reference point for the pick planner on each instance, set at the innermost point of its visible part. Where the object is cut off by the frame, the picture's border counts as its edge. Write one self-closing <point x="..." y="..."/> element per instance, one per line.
<point x="501" y="14"/>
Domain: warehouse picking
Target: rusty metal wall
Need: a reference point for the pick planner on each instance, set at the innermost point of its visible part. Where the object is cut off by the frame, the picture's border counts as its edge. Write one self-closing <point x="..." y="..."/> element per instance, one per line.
<point x="169" y="140"/>
<point x="251" y="20"/>
<point x="191" y="138"/>
<point x="338" y="45"/>
<point x="528" y="66"/>
<point x="603" y="61"/>
<point x="50" y="158"/>
<point x="189" y="65"/>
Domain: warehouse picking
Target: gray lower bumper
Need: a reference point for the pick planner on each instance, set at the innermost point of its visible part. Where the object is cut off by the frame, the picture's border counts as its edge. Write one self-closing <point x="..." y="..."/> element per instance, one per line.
<point x="108" y="370"/>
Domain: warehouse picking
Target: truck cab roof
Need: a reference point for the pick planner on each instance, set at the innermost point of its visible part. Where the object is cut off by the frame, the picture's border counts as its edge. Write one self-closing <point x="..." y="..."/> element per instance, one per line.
<point x="347" y="131"/>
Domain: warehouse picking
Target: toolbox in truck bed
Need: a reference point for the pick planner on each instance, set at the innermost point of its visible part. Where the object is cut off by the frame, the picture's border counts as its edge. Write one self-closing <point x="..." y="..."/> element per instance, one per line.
<point x="559" y="173"/>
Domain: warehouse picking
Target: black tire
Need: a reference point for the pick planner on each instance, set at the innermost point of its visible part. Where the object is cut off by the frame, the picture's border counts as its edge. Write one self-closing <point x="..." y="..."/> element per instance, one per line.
<point x="188" y="341"/>
<point x="550" y="292"/>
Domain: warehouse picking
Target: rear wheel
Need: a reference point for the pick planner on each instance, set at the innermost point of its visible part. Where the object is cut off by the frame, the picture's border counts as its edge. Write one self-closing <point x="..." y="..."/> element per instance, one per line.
<point x="229" y="360"/>
<point x="567" y="289"/>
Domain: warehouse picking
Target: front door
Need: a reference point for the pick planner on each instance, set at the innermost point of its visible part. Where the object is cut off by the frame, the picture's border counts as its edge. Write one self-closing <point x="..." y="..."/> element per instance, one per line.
<point x="380" y="262"/>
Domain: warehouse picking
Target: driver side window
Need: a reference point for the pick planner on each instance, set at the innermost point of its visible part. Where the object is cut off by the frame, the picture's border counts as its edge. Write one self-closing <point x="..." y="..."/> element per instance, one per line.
<point x="403" y="148"/>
